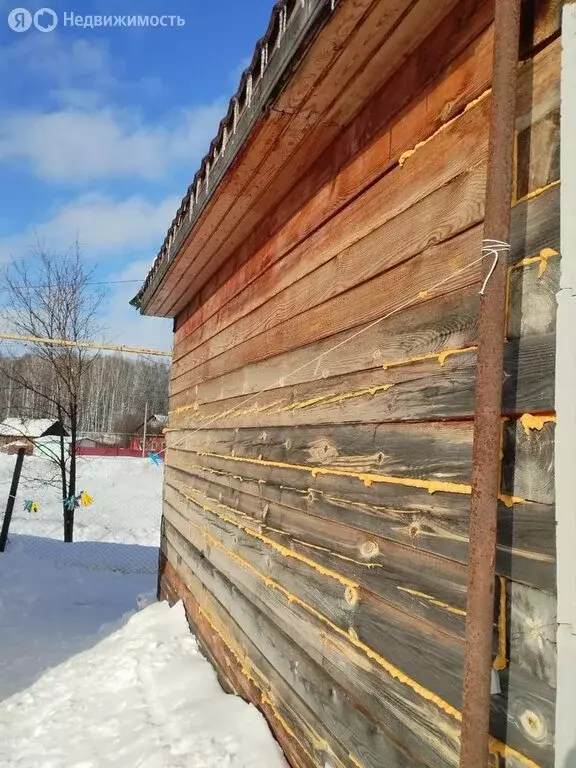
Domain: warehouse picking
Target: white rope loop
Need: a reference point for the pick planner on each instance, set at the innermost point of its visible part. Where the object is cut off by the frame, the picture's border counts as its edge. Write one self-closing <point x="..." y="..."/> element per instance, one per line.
<point x="492" y="248"/>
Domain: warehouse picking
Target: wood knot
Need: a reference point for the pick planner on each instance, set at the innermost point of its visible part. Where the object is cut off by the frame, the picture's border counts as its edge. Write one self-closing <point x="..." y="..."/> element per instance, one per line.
<point x="414" y="530"/>
<point x="369" y="549"/>
<point x="322" y="452"/>
<point x="377" y="354"/>
<point x="288" y="444"/>
<point x="533" y="724"/>
<point x="446" y="111"/>
<point x="351" y="595"/>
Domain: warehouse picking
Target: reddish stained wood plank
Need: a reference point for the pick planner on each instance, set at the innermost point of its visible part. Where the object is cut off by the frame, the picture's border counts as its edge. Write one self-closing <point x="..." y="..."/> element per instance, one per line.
<point x="330" y="51"/>
<point x="393" y="194"/>
<point x="452" y="43"/>
<point x="336" y="261"/>
<point x="445" y="99"/>
<point x="280" y="274"/>
<point x="362" y="304"/>
<point x="380" y="35"/>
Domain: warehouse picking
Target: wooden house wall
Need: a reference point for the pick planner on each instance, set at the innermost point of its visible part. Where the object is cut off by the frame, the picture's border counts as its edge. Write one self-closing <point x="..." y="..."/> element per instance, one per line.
<point x="317" y="489"/>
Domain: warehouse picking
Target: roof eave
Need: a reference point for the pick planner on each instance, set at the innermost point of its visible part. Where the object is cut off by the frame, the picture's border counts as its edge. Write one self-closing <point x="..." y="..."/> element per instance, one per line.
<point x="289" y="34"/>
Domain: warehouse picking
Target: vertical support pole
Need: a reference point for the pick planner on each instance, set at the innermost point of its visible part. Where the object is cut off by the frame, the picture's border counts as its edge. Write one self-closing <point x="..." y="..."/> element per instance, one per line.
<point x="565" y="434"/>
<point x="145" y="435"/>
<point x="11" y="499"/>
<point x="488" y="407"/>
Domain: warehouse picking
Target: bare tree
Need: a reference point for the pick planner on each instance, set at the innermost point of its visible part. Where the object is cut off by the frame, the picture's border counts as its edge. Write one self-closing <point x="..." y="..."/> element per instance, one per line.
<point x="50" y="296"/>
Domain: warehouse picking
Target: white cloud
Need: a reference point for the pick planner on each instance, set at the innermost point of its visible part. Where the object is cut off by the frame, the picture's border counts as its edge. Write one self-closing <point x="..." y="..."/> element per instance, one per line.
<point x="102" y="225"/>
<point x="76" y="145"/>
<point x="63" y="62"/>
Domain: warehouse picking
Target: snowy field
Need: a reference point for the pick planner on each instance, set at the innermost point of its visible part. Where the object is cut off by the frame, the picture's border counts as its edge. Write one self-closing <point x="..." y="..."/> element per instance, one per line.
<point x="86" y="679"/>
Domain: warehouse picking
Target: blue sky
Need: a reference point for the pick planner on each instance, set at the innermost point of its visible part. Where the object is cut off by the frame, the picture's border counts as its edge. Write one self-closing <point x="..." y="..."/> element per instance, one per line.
<point x="102" y="130"/>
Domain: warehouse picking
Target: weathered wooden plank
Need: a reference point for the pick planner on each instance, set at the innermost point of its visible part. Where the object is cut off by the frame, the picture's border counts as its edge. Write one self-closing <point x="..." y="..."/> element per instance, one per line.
<point x="538" y="154"/>
<point x="528" y="461"/>
<point x="288" y="500"/>
<point x="532" y="631"/>
<point x="462" y="68"/>
<point x="338" y="256"/>
<point x="448" y="683"/>
<point x="535" y="226"/>
<point x="429" y="389"/>
<point x="291" y="674"/>
<point x="320" y="574"/>
<point x="439" y="450"/>
<point x="448" y="322"/>
<point x="532" y="289"/>
<point x="415" y="720"/>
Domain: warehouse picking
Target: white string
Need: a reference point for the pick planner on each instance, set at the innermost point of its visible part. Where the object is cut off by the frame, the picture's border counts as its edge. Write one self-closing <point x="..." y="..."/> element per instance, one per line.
<point x="493" y="248"/>
<point x="486" y="251"/>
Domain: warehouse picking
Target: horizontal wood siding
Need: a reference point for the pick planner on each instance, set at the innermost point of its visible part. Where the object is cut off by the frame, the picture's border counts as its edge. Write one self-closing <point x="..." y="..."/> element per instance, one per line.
<point x="318" y="475"/>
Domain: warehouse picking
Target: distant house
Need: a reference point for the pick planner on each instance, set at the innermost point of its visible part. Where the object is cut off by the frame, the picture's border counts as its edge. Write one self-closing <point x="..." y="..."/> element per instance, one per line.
<point x="155" y="440"/>
<point x="40" y="436"/>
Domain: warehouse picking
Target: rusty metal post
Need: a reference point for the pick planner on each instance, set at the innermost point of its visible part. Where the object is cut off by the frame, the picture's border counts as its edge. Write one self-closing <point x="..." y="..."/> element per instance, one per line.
<point x="488" y="409"/>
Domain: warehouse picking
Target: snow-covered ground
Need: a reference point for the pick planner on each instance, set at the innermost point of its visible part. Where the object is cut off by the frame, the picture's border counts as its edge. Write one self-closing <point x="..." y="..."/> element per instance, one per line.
<point x="126" y="491"/>
<point x="142" y="698"/>
<point x="57" y="599"/>
<point x="87" y="680"/>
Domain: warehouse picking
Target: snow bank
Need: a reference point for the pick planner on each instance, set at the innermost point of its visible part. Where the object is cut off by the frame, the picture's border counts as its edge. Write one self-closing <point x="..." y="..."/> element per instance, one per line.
<point x="143" y="697"/>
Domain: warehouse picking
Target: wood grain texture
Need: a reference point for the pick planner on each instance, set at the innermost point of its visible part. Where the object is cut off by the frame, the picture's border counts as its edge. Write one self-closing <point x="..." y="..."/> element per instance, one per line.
<point x="347" y="591"/>
<point x="532" y="289"/>
<point x="288" y="500"/>
<point x="448" y="322"/>
<point x="538" y="154"/>
<point x="535" y="226"/>
<point x="291" y="675"/>
<point x="251" y="584"/>
<point x="379" y="44"/>
<point x="532" y="634"/>
<point x="339" y="257"/>
<point x="530" y="90"/>
<point x="429" y="732"/>
<point x="460" y="67"/>
<point x="528" y="461"/>
<point x="429" y="389"/>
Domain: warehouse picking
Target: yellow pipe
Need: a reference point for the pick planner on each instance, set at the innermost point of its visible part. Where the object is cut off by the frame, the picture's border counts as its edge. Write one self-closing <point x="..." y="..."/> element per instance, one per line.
<point x="83" y="345"/>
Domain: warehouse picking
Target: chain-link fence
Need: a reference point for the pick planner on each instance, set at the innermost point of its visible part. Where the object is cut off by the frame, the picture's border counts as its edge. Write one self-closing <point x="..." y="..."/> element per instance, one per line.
<point x="119" y="531"/>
